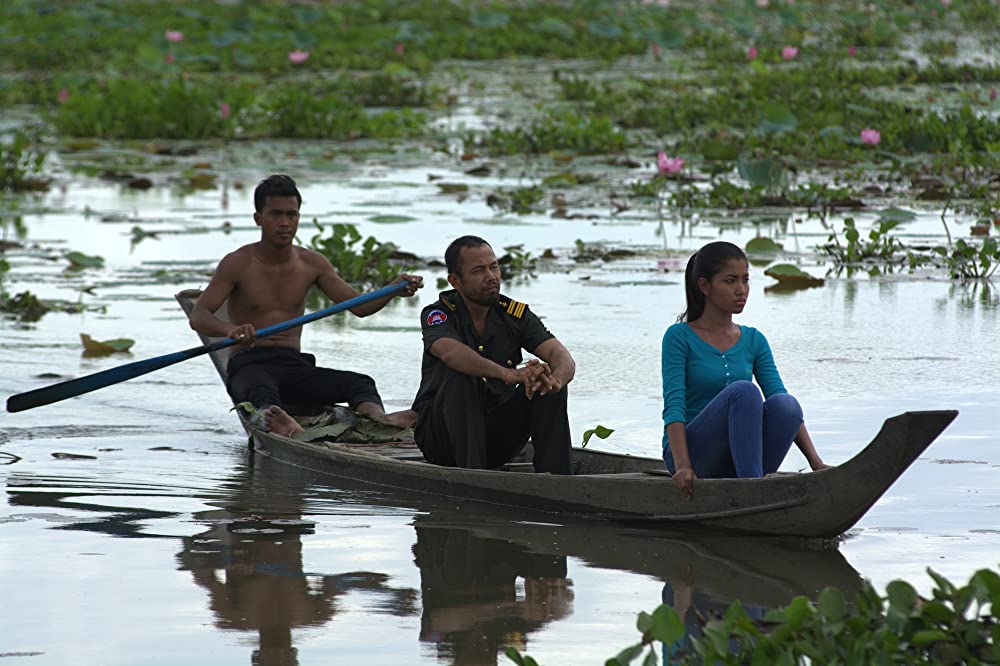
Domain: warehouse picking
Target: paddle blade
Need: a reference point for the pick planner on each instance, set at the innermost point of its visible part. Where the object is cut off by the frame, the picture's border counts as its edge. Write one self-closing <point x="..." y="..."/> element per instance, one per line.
<point x="74" y="387"/>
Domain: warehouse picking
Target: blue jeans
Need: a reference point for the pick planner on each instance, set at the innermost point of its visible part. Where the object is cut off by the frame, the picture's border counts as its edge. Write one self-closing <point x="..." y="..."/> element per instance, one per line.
<point x="739" y="434"/>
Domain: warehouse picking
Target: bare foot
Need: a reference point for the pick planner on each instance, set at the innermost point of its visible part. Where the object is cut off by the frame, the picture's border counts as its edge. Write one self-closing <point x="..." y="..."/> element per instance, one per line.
<point x="406" y="418"/>
<point x="280" y="422"/>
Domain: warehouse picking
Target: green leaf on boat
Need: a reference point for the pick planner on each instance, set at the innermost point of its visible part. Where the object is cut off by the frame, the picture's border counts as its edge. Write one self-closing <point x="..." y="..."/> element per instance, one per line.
<point x="391" y="219"/>
<point x="81" y="260"/>
<point x="93" y="347"/>
<point x="600" y="431"/>
<point x="247" y="407"/>
<point x="778" y="118"/>
<point x="763" y="247"/>
<point x="791" y="277"/>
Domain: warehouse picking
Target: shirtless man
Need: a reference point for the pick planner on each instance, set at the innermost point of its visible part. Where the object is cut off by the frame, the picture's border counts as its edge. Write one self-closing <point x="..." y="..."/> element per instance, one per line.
<point x="266" y="283"/>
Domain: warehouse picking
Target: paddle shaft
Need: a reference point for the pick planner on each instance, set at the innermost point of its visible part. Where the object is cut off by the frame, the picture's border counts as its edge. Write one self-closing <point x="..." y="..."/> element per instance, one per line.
<point x="98" y="380"/>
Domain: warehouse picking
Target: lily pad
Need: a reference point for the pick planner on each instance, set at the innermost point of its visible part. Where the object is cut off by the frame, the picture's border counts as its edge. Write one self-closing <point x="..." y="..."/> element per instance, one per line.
<point x="763" y="247"/>
<point x="81" y="260"/>
<point x="721" y="150"/>
<point x="765" y="172"/>
<point x="391" y="219"/>
<point x="778" y="118"/>
<point x="898" y="215"/>
<point x="792" y="277"/>
<point x="102" y="347"/>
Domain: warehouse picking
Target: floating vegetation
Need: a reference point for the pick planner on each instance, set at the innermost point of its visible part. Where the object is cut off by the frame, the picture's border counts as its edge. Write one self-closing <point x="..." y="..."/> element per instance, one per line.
<point x="92" y="347"/>
<point x="361" y="262"/>
<point x="521" y="200"/>
<point x="791" y="278"/>
<point x="79" y="260"/>
<point x="22" y="163"/>
<point x="25" y="306"/>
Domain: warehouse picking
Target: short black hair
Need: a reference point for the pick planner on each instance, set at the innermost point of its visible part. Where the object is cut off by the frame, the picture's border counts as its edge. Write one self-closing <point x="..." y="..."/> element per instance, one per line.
<point x="277" y="185"/>
<point x="453" y="255"/>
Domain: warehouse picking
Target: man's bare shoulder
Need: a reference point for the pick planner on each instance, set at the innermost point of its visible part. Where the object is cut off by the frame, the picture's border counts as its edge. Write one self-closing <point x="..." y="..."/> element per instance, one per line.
<point x="313" y="258"/>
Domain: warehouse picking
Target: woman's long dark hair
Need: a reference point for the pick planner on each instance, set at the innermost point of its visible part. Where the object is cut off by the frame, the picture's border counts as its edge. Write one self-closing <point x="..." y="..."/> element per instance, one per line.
<point x="705" y="263"/>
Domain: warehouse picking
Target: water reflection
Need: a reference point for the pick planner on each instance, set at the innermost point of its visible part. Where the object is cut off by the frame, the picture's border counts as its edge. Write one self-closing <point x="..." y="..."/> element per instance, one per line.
<point x="252" y="571"/>
<point x="489" y="577"/>
<point x="483" y="594"/>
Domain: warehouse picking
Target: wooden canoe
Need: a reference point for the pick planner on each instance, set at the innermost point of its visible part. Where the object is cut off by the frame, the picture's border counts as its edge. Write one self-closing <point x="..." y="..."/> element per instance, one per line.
<point x="632" y="489"/>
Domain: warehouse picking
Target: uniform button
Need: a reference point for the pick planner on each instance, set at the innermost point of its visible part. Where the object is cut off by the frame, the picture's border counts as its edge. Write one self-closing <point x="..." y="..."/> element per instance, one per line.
<point x="509" y="364"/>
<point x="480" y="348"/>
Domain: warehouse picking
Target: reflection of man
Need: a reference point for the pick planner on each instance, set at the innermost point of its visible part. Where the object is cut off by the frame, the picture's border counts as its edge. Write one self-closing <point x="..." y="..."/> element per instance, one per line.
<point x="256" y="583"/>
<point x="471" y="606"/>
<point x="476" y="405"/>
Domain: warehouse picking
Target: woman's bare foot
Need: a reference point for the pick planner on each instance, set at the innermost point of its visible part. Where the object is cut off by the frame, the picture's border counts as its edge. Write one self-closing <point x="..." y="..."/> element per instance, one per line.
<point x="406" y="418"/>
<point x="280" y="422"/>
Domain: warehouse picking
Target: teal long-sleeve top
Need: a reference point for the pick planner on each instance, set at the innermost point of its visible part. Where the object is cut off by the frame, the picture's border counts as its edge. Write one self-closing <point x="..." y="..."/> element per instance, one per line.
<point x="694" y="371"/>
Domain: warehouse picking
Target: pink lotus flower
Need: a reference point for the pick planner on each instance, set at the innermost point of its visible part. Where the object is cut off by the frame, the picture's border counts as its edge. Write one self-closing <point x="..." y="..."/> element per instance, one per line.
<point x="174" y="36"/>
<point x="852" y="51"/>
<point x="752" y="53"/>
<point x="789" y="53"/>
<point x="63" y="95"/>
<point x="870" y="136"/>
<point x="298" y="57"/>
<point x="225" y="110"/>
<point x="655" y="48"/>
<point x="993" y="94"/>
<point x="945" y="2"/>
<point x="169" y="58"/>
<point x="668" y="165"/>
<point x="399" y="48"/>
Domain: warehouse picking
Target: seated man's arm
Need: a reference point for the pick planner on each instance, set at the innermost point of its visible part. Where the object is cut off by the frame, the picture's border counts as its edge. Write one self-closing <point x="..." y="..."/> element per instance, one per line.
<point x="338" y="290"/>
<point x="462" y="358"/>
<point x="219" y="288"/>
<point x="559" y="360"/>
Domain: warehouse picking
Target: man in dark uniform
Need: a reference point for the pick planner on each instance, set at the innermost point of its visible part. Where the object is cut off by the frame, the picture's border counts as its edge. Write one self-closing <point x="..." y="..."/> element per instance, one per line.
<point x="477" y="405"/>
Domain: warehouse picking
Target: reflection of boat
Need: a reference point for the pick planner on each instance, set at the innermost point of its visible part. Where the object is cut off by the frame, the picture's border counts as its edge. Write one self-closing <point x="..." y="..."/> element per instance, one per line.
<point x="629" y="488"/>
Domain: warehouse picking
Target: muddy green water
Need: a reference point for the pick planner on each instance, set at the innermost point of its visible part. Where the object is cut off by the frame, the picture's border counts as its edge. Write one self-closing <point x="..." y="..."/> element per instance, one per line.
<point x="145" y="554"/>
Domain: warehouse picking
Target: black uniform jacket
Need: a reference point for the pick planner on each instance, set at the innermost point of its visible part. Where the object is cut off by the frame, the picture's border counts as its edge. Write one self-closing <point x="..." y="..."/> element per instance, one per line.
<point x="510" y="327"/>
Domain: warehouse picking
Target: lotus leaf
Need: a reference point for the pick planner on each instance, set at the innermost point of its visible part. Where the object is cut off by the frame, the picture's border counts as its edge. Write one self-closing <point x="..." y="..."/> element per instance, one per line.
<point x="93" y="347"/>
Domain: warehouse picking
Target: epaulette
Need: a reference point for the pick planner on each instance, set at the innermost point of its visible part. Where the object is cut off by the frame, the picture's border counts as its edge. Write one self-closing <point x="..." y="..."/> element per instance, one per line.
<point x="513" y="308"/>
<point x="448" y="303"/>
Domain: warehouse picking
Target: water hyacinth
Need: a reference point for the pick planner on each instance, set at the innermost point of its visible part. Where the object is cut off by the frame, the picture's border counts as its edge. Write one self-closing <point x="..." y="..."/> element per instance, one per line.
<point x="668" y="166"/>
<point x="297" y="57"/>
<point x="174" y="36"/>
<point x="789" y="52"/>
<point x="870" y="136"/>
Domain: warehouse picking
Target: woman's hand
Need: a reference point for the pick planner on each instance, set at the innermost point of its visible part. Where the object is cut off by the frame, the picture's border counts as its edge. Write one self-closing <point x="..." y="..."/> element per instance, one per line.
<point x="684" y="480"/>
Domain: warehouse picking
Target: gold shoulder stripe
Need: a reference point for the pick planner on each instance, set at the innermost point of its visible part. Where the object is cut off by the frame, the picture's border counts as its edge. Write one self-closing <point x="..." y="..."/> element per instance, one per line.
<point x="519" y="312"/>
<point x="511" y="306"/>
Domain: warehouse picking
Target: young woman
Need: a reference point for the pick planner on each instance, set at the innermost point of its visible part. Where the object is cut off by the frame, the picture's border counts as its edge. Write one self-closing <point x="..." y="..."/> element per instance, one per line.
<point x="716" y="423"/>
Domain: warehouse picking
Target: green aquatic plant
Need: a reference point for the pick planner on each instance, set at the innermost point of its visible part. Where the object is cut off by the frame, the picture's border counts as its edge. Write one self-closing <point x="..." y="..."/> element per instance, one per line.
<point x="879" y="246"/>
<point x="520" y="200"/>
<point x="22" y="162"/>
<point x="557" y="131"/>
<point x="362" y="262"/>
<point x="954" y="625"/>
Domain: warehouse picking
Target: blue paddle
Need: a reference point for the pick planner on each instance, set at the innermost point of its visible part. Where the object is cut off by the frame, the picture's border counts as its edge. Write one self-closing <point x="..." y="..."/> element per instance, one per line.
<point x="98" y="380"/>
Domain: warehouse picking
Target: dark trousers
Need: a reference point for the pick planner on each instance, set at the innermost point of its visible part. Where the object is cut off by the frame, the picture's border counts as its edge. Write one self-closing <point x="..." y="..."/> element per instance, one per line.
<point x="278" y="376"/>
<point x="467" y="427"/>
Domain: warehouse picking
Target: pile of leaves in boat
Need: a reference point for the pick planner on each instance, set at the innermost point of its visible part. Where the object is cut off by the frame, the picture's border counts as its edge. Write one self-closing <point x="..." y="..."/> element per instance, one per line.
<point x="957" y="624"/>
<point x="340" y="424"/>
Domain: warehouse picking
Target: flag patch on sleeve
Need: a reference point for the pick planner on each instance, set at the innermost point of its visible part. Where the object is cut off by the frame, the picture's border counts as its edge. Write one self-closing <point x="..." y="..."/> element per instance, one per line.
<point x="435" y="317"/>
